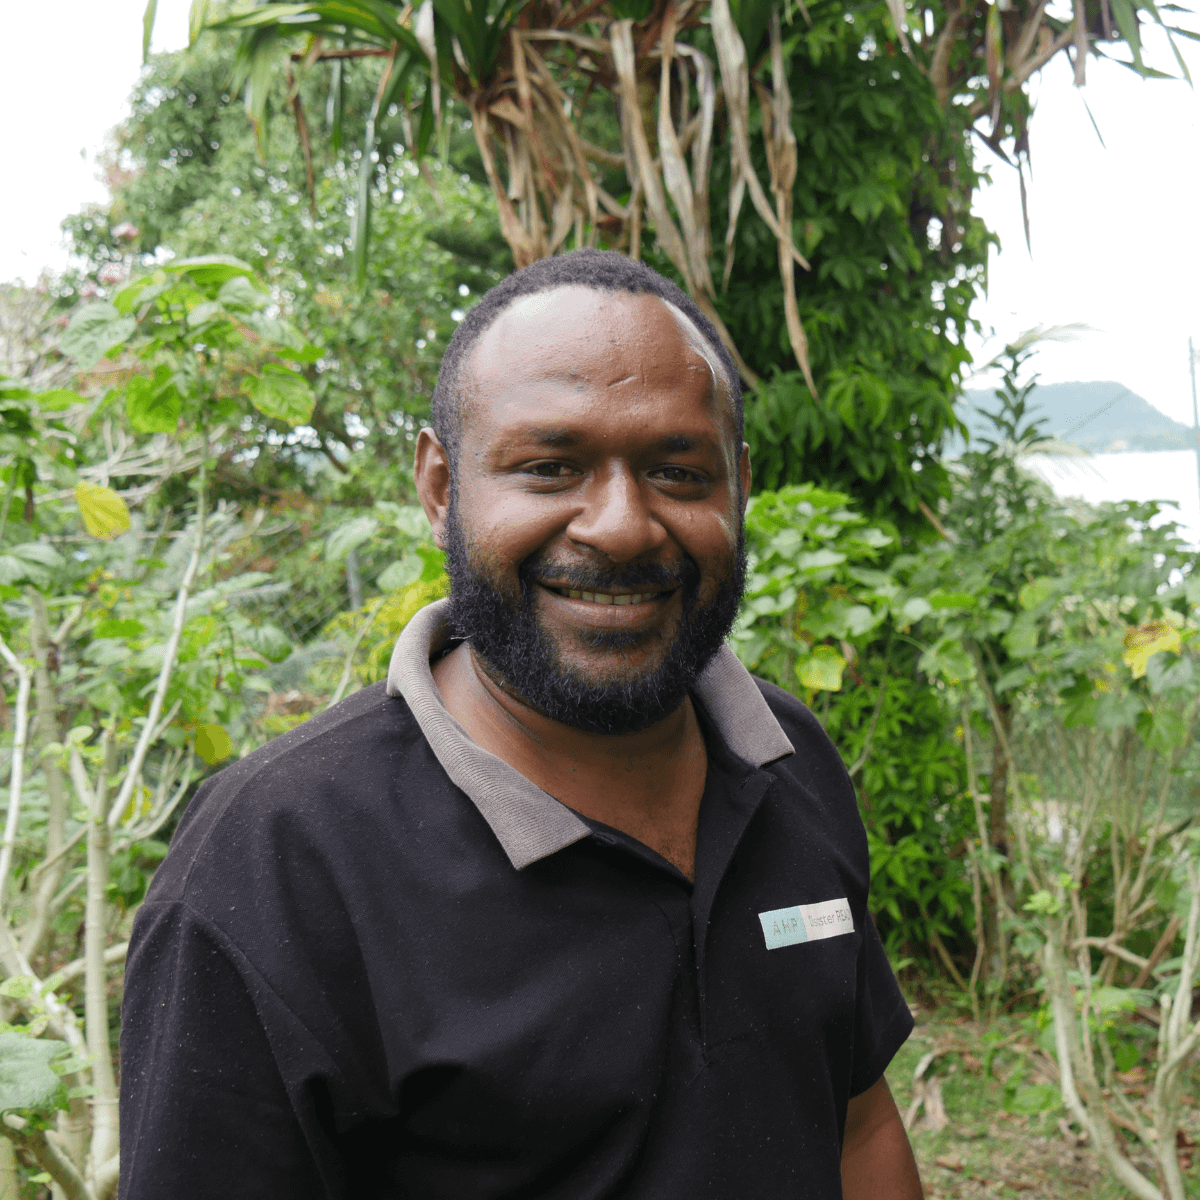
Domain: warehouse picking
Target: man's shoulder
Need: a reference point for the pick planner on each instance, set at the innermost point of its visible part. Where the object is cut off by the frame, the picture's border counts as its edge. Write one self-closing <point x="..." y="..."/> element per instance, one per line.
<point x="816" y="767"/>
<point x="327" y="772"/>
<point x="794" y="716"/>
<point x="361" y="733"/>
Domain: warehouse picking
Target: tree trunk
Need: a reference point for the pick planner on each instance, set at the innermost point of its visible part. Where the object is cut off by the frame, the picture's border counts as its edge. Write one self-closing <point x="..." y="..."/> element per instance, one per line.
<point x="998" y="803"/>
<point x="998" y="842"/>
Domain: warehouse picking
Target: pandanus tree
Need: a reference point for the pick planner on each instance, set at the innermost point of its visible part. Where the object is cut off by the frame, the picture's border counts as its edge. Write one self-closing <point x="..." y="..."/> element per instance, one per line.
<point x="672" y="85"/>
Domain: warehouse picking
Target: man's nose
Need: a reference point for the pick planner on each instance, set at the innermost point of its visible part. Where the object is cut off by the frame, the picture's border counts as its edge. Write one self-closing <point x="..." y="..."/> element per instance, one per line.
<point x="616" y="518"/>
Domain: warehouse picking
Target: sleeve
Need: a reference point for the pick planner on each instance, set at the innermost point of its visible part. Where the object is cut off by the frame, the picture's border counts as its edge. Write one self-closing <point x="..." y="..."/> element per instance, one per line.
<point x="882" y="1020"/>
<point x="205" y="1108"/>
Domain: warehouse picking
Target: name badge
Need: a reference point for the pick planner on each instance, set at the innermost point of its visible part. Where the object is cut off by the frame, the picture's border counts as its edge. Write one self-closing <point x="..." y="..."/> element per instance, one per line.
<point x="806" y="923"/>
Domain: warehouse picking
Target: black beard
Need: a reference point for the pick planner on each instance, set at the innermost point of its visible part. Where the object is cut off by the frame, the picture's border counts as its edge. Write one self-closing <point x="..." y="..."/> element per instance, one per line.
<point x="507" y="636"/>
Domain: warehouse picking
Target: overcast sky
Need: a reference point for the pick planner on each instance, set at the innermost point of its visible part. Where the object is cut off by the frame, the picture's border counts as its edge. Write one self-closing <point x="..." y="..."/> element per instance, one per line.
<point x="1116" y="239"/>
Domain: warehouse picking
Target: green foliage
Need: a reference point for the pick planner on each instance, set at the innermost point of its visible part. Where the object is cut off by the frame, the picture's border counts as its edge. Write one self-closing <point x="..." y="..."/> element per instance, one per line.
<point x="911" y="790"/>
<point x="886" y="304"/>
<point x="28" y="1083"/>
<point x="812" y="588"/>
<point x="822" y="602"/>
<point x="195" y="183"/>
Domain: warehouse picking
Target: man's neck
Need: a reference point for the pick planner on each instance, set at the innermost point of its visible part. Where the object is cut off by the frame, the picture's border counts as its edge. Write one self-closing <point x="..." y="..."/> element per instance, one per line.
<point x="647" y="784"/>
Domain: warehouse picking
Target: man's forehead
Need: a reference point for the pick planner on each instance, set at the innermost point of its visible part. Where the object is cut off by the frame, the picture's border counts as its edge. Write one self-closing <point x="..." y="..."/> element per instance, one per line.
<point x="573" y="329"/>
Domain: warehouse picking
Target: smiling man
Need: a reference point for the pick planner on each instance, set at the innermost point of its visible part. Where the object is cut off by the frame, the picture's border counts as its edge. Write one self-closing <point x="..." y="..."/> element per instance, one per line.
<point x="573" y="906"/>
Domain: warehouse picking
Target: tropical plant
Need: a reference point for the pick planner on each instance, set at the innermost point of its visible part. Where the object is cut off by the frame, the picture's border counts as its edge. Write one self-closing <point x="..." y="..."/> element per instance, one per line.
<point x="136" y="660"/>
<point x="1067" y="636"/>
<point x="823" y="602"/>
<point x="186" y="179"/>
<point x="528" y="74"/>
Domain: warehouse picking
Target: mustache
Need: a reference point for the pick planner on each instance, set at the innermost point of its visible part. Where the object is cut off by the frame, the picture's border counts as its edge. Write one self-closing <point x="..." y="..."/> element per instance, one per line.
<point x="582" y="577"/>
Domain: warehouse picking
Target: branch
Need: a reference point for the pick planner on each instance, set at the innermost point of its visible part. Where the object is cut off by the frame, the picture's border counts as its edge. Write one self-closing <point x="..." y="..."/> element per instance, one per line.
<point x="107" y="1177"/>
<point x="158" y="815"/>
<point x="134" y="767"/>
<point x="1081" y="44"/>
<point x="17" y="778"/>
<point x="1039" y="60"/>
<point x="348" y="665"/>
<point x="1024" y="42"/>
<point x="861" y="761"/>
<point x="73" y="970"/>
<point x="47" y="1155"/>
<point x="1159" y="952"/>
<point x="1108" y="946"/>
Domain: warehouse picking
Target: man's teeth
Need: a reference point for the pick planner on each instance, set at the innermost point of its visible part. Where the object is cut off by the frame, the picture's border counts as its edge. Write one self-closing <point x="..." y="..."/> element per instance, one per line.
<point x="609" y="598"/>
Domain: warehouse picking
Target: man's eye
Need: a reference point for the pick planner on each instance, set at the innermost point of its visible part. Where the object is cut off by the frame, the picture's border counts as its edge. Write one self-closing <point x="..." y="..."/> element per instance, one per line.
<point x="549" y="470"/>
<point x="678" y="475"/>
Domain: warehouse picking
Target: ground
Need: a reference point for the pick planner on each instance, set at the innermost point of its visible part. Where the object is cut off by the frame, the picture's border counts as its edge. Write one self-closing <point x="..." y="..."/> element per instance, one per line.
<point x="981" y="1077"/>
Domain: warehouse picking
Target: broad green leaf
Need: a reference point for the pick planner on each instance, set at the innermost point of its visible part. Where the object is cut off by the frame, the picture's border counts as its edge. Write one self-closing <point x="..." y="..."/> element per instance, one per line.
<point x="153" y="405"/>
<point x="1080" y="712"/>
<point x="1021" y="641"/>
<point x="1037" y="592"/>
<point x="1126" y="1054"/>
<point x="400" y="573"/>
<point x="1118" y="710"/>
<point x="915" y="609"/>
<point x="859" y="620"/>
<point x="815" y="560"/>
<point x="213" y="743"/>
<point x="940" y="600"/>
<point x="1162" y="730"/>
<point x="306" y="353"/>
<point x="1115" y="999"/>
<point x="269" y="641"/>
<point x="95" y="330"/>
<point x="116" y="627"/>
<point x="1043" y="903"/>
<point x="822" y="670"/>
<point x="142" y="291"/>
<point x="58" y="400"/>
<point x="349" y="537"/>
<point x="203" y="313"/>
<point x="282" y="394"/>
<point x="949" y="658"/>
<point x="1166" y="673"/>
<point x="209" y="269"/>
<point x="1141" y="641"/>
<point x="242" y="294"/>
<point x="873" y="537"/>
<point x="283" y="338"/>
<point x="31" y="562"/>
<point x="103" y="511"/>
<point x="26" y="1080"/>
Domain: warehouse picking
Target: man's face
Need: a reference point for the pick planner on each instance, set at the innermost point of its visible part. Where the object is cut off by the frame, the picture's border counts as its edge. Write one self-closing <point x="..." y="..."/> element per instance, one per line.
<point x="594" y="531"/>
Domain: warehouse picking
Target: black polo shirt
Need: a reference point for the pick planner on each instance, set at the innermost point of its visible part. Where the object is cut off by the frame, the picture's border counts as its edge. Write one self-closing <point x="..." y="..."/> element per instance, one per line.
<point x="379" y="963"/>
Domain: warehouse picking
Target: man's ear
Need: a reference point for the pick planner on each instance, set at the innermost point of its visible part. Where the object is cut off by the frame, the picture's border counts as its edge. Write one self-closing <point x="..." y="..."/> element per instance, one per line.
<point x="745" y="475"/>
<point x="431" y="474"/>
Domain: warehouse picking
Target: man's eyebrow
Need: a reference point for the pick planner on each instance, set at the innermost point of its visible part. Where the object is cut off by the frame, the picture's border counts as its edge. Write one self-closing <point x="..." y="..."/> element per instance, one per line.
<point x="554" y="438"/>
<point x="559" y="438"/>
<point x="681" y="443"/>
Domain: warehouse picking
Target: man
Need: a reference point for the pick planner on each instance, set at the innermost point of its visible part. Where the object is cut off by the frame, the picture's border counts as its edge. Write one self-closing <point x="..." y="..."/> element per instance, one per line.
<point x="573" y="907"/>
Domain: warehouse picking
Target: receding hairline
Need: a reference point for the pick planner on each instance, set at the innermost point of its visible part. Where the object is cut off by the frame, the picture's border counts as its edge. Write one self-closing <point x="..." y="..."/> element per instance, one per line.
<point x="468" y="382"/>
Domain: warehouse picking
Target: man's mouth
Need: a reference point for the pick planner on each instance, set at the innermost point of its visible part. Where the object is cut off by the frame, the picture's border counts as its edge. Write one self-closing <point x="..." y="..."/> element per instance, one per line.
<point x="617" y="598"/>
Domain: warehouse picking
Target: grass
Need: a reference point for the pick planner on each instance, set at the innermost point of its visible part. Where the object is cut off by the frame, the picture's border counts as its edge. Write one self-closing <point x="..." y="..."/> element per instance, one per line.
<point x="1005" y="1132"/>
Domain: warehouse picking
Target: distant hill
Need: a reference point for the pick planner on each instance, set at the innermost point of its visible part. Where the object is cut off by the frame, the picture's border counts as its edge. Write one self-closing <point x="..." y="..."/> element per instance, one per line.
<point x="1100" y="417"/>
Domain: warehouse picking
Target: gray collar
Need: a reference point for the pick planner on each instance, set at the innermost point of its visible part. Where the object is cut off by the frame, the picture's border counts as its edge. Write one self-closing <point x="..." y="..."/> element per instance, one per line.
<point x="529" y="823"/>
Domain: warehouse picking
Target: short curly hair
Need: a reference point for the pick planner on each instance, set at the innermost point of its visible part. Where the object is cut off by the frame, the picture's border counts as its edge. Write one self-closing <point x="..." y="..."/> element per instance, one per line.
<point x="601" y="270"/>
